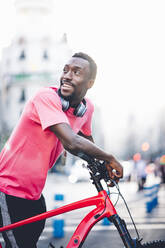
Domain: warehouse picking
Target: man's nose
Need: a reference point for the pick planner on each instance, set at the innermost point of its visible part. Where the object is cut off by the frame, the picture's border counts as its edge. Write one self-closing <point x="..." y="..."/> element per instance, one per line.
<point x="68" y="75"/>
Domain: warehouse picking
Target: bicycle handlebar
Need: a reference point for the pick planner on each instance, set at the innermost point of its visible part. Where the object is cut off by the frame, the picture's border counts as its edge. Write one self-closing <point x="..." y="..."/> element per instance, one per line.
<point x="85" y="157"/>
<point x="97" y="169"/>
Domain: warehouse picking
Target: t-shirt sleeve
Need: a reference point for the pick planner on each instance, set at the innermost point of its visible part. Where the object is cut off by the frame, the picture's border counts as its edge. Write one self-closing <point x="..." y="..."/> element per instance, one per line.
<point x="86" y="129"/>
<point x="48" y="108"/>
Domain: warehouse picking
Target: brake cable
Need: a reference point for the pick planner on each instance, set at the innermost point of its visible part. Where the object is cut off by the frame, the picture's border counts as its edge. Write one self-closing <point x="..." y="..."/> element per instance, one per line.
<point x="113" y="193"/>
<point x="120" y="194"/>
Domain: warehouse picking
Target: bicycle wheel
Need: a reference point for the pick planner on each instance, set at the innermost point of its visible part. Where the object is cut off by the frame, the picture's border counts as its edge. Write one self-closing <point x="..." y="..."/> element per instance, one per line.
<point x="153" y="244"/>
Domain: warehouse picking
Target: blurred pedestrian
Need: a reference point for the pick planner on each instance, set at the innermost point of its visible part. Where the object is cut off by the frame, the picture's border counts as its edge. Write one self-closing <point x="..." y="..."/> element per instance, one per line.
<point x="162" y="168"/>
<point x="54" y="119"/>
<point x="140" y="167"/>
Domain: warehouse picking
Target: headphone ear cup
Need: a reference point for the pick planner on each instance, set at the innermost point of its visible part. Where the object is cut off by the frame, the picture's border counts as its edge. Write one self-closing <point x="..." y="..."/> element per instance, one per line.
<point x="65" y="104"/>
<point x="80" y="110"/>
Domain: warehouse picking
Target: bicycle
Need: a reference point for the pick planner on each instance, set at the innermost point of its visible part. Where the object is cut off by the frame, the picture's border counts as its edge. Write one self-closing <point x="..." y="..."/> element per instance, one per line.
<point x="104" y="209"/>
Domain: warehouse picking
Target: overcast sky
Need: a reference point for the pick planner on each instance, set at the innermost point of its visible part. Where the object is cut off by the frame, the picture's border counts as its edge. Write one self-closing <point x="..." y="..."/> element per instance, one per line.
<point x="127" y="40"/>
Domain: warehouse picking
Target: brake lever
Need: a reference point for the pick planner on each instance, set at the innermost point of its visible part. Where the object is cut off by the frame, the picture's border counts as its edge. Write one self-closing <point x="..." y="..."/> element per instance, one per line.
<point x="112" y="183"/>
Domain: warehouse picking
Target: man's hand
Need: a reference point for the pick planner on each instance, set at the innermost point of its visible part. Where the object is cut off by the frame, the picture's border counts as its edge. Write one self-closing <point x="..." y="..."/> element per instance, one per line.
<point x="115" y="170"/>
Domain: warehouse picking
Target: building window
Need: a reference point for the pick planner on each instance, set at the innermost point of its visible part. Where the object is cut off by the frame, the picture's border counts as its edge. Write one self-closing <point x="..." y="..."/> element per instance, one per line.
<point x="45" y="55"/>
<point x="22" y="97"/>
<point x="22" y="55"/>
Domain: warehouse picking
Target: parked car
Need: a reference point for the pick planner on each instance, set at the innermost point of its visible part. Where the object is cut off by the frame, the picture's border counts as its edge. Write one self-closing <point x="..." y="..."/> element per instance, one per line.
<point x="128" y="168"/>
<point x="78" y="173"/>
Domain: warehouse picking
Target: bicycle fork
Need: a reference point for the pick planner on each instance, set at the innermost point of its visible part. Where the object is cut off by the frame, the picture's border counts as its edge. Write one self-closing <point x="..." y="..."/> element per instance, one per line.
<point x="123" y="231"/>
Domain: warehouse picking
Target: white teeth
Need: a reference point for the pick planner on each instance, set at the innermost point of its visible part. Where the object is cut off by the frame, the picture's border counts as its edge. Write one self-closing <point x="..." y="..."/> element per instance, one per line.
<point x="67" y="85"/>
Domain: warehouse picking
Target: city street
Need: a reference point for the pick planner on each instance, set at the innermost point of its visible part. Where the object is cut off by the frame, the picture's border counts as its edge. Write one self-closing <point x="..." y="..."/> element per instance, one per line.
<point x="150" y="226"/>
<point x="82" y="79"/>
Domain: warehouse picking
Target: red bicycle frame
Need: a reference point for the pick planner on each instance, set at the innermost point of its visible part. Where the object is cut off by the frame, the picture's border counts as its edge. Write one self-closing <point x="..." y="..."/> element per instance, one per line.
<point x="104" y="208"/>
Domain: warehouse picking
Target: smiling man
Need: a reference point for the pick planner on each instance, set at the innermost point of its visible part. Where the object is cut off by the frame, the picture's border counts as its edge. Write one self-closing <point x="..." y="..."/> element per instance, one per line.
<point x="77" y="78"/>
<point x="54" y="119"/>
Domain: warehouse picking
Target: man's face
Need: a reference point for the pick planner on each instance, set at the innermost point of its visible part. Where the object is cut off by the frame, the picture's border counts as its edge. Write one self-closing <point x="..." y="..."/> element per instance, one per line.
<point x="75" y="78"/>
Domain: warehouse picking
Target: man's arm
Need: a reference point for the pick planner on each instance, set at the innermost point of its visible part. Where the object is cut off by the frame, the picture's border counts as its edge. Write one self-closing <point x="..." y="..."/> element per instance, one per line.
<point x="86" y="137"/>
<point x="75" y="144"/>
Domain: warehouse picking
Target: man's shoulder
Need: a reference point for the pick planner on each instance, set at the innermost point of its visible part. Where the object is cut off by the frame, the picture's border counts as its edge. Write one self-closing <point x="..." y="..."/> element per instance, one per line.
<point x="47" y="89"/>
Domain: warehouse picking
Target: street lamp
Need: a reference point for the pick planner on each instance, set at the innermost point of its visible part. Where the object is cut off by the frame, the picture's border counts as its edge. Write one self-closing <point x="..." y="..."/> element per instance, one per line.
<point x="145" y="146"/>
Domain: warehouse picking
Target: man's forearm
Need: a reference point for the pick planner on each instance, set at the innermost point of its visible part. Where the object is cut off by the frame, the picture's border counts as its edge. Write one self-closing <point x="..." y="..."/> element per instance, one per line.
<point x="81" y="144"/>
<point x="76" y="144"/>
<point x="86" y="137"/>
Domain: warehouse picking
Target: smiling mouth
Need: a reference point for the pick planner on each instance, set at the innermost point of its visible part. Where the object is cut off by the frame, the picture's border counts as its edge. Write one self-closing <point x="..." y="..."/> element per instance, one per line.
<point x="67" y="85"/>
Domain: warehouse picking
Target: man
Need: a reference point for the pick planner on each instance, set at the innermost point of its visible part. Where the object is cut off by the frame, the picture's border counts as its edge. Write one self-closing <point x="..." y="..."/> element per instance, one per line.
<point x="52" y="120"/>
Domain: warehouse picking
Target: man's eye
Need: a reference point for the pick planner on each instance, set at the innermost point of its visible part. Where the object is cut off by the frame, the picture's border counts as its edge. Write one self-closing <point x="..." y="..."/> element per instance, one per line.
<point x="65" y="70"/>
<point x="77" y="72"/>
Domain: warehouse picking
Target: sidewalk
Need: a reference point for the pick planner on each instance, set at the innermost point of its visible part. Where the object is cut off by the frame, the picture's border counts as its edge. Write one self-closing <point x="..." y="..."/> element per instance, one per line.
<point x="59" y="184"/>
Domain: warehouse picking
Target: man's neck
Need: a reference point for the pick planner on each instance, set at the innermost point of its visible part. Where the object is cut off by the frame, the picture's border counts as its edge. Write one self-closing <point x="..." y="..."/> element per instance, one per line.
<point x="75" y="103"/>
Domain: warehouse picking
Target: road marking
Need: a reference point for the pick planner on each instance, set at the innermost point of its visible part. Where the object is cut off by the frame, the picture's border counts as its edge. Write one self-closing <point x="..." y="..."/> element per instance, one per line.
<point x="127" y="219"/>
<point x="112" y="227"/>
<point x="43" y="237"/>
<point x="141" y="220"/>
<point x="129" y="227"/>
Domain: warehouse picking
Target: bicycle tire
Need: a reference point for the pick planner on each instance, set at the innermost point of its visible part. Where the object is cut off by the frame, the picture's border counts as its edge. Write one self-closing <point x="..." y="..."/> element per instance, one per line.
<point x="153" y="244"/>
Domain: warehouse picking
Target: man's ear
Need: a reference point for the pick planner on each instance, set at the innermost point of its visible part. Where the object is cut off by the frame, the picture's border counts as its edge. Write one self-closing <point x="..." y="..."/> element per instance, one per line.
<point x="90" y="83"/>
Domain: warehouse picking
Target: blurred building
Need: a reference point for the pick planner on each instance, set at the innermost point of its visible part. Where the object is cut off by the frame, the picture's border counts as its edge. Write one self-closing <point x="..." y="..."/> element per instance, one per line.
<point x="34" y="58"/>
<point x="97" y="128"/>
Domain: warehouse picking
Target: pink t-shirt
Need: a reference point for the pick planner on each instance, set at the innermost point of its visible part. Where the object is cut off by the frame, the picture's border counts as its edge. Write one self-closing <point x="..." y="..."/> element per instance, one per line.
<point x="32" y="149"/>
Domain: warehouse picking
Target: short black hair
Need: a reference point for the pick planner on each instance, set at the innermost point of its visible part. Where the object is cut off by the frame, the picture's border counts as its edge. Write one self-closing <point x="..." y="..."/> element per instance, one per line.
<point x="92" y="64"/>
